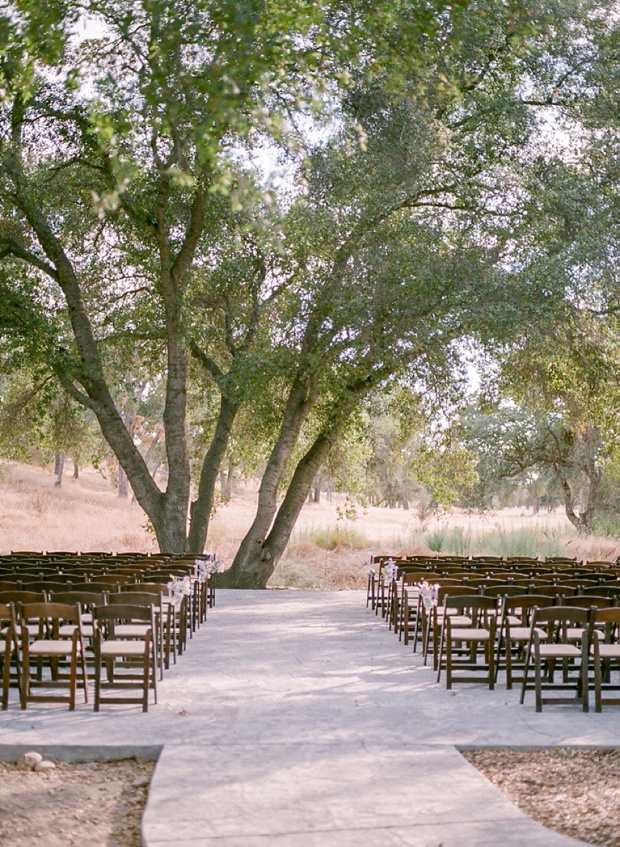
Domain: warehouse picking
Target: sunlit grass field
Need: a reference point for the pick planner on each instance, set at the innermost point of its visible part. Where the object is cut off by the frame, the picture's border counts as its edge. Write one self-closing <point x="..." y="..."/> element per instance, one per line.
<point x="328" y="550"/>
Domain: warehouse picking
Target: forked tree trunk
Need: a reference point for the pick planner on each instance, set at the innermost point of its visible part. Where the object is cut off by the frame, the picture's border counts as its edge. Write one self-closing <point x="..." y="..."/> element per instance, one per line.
<point x="257" y="557"/>
<point x="251" y="567"/>
<point x="582" y="520"/>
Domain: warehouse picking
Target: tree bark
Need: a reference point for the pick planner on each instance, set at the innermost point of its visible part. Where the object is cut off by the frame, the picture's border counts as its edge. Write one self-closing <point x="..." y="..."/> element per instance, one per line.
<point x="242" y="572"/>
<point x="255" y="562"/>
<point x="202" y="506"/>
<point x="59" y="466"/>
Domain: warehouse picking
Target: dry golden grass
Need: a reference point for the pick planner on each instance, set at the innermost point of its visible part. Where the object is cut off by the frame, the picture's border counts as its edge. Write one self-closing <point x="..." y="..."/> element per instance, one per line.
<point x="85" y="514"/>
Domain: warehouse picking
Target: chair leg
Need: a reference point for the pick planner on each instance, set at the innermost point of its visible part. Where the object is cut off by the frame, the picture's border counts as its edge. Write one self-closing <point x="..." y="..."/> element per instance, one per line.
<point x="598" y="698"/>
<point x="73" y="678"/>
<point x="448" y="664"/>
<point x="585" y="693"/>
<point x="538" y="681"/>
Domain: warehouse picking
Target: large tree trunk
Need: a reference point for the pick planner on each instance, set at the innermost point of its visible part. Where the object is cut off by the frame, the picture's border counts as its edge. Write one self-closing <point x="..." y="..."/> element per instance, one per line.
<point x="298" y="405"/>
<point x="255" y="562"/>
<point x="85" y="379"/>
<point x="202" y="506"/>
<point x="259" y="562"/>
<point x="582" y="520"/>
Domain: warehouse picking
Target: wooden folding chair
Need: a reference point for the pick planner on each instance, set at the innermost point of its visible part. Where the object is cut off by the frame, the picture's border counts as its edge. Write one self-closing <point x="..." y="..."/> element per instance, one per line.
<point x="47" y="644"/>
<point x="128" y="659"/>
<point x="468" y="650"/>
<point x="553" y="642"/>
<point x="605" y="656"/>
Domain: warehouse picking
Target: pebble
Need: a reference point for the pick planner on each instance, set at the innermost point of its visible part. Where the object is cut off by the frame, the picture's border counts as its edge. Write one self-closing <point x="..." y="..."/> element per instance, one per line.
<point x="45" y="765"/>
<point x="28" y="761"/>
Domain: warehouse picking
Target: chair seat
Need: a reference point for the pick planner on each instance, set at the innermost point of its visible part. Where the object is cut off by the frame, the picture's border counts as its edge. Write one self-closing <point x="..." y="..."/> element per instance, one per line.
<point x="608" y="651"/>
<point x="131" y="630"/>
<point x="123" y="648"/>
<point x="559" y="651"/>
<point x="46" y="647"/>
<point x="66" y="631"/>
<point x="522" y="633"/>
<point x="470" y="634"/>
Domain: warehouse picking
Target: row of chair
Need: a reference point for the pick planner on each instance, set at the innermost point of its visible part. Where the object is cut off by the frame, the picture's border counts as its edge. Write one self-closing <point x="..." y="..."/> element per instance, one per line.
<point x="45" y="652"/>
<point x="472" y="626"/>
<point x="123" y="624"/>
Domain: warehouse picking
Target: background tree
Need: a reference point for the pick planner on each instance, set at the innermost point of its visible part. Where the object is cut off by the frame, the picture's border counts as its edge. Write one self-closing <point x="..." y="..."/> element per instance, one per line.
<point x="131" y="221"/>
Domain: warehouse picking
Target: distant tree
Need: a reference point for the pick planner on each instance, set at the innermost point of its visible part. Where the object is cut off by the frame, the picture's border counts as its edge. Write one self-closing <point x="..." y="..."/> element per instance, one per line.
<point x="134" y="225"/>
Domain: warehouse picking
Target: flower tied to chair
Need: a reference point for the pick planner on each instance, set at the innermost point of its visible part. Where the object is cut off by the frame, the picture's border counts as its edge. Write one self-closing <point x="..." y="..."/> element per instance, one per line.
<point x="178" y="589"/>
<point x="429" y="593"/>
<point x="390" y="569"/>
<point x="203" y="568"/>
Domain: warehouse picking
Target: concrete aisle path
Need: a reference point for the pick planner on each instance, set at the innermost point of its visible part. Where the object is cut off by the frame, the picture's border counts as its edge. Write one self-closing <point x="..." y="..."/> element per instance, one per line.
<point x="296" y="719"/>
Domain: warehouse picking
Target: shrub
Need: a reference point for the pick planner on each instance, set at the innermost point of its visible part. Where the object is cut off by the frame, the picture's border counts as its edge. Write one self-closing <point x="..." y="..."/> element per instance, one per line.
<point x="338" y="536"/>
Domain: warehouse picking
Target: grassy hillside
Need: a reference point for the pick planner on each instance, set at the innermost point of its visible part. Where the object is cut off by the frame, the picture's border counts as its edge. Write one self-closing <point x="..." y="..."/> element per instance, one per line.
<point x="326" y="551"/>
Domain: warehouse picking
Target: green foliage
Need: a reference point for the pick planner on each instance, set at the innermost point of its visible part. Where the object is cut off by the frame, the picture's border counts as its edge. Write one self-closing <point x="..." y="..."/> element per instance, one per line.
<point x="607" y="524"/>
<point x="138" y="232"/>
<point x="455" y="540"/>
<point x="339" y="536"/>
<point x="499" y="542"/>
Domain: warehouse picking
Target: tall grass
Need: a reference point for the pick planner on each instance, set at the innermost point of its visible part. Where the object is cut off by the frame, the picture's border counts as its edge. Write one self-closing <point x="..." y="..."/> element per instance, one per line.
<point x="523" y="541"/>
<point x="455" y="540"/>
<point x="337" y="537"/>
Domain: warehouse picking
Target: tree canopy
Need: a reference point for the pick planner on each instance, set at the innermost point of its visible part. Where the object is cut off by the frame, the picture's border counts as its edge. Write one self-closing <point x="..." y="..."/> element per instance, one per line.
<point x="140" y="235"/>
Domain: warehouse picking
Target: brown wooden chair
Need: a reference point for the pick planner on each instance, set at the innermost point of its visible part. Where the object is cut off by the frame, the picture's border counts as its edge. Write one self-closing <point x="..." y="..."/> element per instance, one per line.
<point x="605" y="655"/>
<point x="433" y="616"/>
<point x="48" y="645"/>
<point x="514" y="633"/>
<point x="468" y="650"/>
<point x="128" y="659"/>
<point x="552" y="642"/>
<point x="8" y="650"/>
<point x="178" y="611"/>
<point x="161" y="642"/>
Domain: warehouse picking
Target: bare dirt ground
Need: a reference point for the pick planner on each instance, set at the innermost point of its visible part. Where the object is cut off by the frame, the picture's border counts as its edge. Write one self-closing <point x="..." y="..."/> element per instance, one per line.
<point x="94" y="803"/>
<point x="576" y="792"/>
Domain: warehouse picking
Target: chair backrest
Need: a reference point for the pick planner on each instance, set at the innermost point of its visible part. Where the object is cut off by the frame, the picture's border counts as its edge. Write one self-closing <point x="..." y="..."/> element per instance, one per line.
<point x="557" y="619"/>
<point x="553" y="590"/>
<point x="148" y="587"/>
<point x="587" y="601"/>
<point x="523" y="604"/>
<point x="480" y="581"/>
<point x="138" y="598"/>
<point x="123" y="613"/>
<point x="24" y="577"/>
<point x="47" y="586"/>
<point x="605" y="589"/>
<point x="508" y="590"/>
<point x="50" y="616"/>
<point x="18" y="596"/>
<point x="115" y="578"/>
<point x="609" y="618"/>
<point x="86" y="599"/>
<point x="413" y="577"/>
<point x="100" y="587"/>
<point x="472" y="602"/>
<point x="452" y="590"/>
